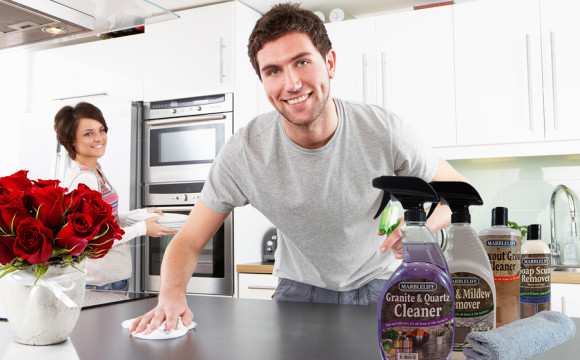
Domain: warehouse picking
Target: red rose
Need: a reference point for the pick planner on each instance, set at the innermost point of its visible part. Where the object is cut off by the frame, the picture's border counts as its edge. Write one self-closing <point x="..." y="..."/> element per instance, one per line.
<point x="11" y="216"/>
<point x="42" y="183"/>
<point x="75" y="234"/>
<point x="48" y="203"/>
<point x="92" y="204"/>
<point x="100" y="246"/>
<point x="6" y="249"/>
<point x="17" y="181"/>
<point x="33" y="241"/>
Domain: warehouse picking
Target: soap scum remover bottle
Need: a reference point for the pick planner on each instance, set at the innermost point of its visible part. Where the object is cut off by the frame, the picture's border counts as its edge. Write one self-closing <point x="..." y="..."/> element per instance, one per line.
<point x="471" y="274"/>
<point x="417" y="303"/>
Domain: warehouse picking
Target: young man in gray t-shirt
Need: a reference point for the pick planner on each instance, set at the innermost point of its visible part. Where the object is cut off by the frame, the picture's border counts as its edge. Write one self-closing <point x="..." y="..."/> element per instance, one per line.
<point x="307" y="167"/>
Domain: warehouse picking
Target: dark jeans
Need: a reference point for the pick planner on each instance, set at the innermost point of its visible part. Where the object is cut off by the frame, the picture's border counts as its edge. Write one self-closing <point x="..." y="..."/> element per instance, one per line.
<point x="368" y="294"/>
<point x="121" y="285"/>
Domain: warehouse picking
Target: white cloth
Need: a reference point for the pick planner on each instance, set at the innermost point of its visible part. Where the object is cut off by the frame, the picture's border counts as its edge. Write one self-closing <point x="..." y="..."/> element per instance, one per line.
<point x="160" y="333"/>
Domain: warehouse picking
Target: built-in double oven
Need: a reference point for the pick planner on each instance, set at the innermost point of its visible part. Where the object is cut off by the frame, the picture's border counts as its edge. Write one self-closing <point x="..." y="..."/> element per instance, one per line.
<point x="181" y="138"/>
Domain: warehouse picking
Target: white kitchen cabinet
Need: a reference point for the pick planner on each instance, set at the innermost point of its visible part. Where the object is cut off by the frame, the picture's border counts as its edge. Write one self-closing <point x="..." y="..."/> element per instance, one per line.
<point x="566" y="295"/>
<point x="561" y="56"/>
<point x="504" y="52"/>
<point x="257" y="286"/>
<point x="416" y="70"/>
<point x="104" y="69"/>
<point x="354" y="44"/>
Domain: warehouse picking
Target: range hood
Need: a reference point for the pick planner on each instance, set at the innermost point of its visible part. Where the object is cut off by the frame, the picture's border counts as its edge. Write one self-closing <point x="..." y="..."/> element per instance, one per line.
<point x="26" y="22"/>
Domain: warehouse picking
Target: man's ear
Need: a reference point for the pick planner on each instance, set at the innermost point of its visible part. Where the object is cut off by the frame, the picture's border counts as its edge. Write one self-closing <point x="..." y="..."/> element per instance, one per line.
<point x="331" y="63"/>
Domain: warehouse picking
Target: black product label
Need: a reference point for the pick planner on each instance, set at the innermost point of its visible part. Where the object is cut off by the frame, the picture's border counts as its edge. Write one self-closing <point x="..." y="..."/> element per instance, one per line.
<point x="417" y="317"/>
<point x="474" y="308"/>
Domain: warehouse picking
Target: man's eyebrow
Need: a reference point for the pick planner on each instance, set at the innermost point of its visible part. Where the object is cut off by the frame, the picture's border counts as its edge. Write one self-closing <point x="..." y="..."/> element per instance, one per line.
<point x="294" y="58"/>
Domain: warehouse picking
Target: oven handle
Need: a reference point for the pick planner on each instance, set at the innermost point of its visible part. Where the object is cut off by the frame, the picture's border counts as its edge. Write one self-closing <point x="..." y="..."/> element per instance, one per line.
<point x="186" y="119"/>
<point x="173" y="208"/>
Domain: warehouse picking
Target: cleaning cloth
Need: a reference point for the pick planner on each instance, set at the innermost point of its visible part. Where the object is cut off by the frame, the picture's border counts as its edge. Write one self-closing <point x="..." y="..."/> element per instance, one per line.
<point x="160" y="333"/>
<point x="521" y="339"/>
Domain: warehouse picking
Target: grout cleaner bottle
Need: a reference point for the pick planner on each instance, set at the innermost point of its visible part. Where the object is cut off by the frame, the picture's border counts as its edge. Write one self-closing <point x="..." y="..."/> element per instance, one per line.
<point x="416" y="309"/>
<point x="471" y="274"/>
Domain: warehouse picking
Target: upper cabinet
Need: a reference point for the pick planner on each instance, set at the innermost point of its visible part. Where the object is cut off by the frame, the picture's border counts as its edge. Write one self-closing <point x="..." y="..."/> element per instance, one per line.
<point x="516" y="71"/>
<point x="560" y="33"/>
<point x="404" y="62"/>
<point x="354" y="44"/>
<point x="415" y="77"/>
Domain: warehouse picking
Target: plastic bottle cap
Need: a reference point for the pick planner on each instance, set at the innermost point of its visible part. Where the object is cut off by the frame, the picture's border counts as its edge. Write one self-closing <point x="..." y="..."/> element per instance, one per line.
<point x="499" y="216"/>
<point x="534" y="232"/>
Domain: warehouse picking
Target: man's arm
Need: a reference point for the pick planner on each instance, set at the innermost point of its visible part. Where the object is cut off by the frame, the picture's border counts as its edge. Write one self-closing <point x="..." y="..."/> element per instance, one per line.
<point x="179" y="262"/>
<point x="441" y="217"/>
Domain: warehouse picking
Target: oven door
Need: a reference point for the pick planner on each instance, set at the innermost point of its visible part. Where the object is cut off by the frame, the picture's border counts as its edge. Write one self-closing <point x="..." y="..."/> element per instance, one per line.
<point x="181" y="149"/>
<point x="214" y="270"/>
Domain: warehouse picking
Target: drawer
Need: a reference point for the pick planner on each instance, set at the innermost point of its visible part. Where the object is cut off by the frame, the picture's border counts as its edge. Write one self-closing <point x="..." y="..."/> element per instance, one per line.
<point x="256" y="286"/>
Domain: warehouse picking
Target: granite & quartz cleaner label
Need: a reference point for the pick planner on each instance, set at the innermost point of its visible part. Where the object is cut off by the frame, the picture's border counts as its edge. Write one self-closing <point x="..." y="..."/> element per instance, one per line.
<point x="417" y="317"/>
<point x="534" y="284"/>
<point x="474" y="310"/>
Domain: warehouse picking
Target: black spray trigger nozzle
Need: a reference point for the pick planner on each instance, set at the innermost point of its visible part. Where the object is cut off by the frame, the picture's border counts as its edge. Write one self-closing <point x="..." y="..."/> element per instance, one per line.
<point x="384" y="202"/>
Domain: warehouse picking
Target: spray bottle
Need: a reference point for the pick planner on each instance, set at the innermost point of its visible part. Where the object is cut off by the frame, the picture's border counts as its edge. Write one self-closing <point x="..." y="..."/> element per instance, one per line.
<point x="417" y="301"/>
<point x="471" y="274"/>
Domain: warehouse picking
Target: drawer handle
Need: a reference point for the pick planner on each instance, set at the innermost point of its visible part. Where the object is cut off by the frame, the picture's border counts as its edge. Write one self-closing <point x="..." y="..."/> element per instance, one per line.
<point x="258" y="287"/>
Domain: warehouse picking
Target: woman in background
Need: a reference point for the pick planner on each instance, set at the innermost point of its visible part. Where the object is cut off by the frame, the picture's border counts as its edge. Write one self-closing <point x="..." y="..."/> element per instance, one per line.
<point x="82" y="131"/>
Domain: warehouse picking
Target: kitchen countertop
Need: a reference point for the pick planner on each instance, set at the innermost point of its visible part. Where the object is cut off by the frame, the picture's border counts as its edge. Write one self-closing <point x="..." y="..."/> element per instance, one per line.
<point x="230" y="328"/>
<point x="256" y="268"/>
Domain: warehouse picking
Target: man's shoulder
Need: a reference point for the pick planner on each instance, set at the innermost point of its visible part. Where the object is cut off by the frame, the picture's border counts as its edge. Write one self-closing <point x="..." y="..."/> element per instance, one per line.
<point x="261" y="125"/>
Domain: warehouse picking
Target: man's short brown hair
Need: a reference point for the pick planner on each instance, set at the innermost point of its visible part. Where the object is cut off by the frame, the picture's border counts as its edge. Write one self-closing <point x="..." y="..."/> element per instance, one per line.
<point x="283" y="19"/>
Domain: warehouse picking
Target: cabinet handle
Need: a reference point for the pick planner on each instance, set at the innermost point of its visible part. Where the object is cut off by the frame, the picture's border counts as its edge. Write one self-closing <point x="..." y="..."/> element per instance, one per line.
<point x="384" y="77"/>
<point x="81" y="96"/>
<point x="258" y="287"/>
<point x="554" y="88"/>
<point x="222" y="60"/>
<point x="364" y="77"/>
<point x="530" y="95"/>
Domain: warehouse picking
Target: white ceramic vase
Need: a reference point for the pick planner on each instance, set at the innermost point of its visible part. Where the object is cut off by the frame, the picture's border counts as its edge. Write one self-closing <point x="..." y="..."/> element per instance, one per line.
<point x="45" y="313"/>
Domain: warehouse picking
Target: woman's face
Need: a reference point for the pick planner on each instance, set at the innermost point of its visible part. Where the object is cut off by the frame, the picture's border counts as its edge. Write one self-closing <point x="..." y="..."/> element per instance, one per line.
<point x="90" y="140"/>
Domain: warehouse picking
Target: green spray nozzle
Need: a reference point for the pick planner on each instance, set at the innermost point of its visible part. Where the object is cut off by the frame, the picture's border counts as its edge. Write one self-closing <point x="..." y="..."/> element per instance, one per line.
<point x="389" y="220"/>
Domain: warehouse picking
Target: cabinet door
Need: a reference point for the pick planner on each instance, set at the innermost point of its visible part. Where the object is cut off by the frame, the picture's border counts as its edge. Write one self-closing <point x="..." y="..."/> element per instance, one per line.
<point x="498" y="72"/>
<point x="416" y="79"/>
<point x="561" y="56"/>
<point x="191" y="55"/>
<point x="257" y="286"/>
<point x="354" y="44"/>
<point x="101" y="69"/>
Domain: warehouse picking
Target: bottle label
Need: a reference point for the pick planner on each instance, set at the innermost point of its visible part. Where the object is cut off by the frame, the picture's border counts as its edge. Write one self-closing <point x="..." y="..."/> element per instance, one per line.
<point x="504" y="253"/>
<point x="474" y="308"/>
<point x="534" y="284"/>
<point x="415" y="312"/>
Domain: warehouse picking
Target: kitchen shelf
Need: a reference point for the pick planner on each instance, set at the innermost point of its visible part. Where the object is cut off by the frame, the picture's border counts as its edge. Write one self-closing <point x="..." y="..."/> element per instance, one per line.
<point x="255" y="268"/>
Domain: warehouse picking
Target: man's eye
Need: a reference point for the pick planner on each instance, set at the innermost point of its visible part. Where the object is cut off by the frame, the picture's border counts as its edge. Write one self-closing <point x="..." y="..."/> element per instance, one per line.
<point x="302" y="62"/>
<point x="273" y="72"/>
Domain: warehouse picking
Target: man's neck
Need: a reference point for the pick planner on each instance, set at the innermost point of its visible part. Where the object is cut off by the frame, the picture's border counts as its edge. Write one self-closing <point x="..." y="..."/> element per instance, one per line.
<point x="316" y="134"/>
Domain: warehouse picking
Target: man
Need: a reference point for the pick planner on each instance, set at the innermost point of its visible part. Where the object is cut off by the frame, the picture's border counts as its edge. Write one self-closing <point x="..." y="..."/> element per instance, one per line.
<point x="308" y="168"/>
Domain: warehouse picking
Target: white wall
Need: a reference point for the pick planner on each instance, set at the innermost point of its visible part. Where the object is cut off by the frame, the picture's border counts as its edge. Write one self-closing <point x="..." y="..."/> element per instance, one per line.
<point x="524" y="185"/>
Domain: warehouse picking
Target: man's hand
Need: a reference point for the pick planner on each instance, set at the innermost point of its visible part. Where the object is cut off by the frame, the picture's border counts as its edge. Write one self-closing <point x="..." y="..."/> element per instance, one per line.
<point x="393" y="242"/>
<point x="166" y="310"/>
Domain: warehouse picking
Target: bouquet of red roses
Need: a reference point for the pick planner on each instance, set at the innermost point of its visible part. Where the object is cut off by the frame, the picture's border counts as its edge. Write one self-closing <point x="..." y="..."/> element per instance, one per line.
<point x="41" y="224"/>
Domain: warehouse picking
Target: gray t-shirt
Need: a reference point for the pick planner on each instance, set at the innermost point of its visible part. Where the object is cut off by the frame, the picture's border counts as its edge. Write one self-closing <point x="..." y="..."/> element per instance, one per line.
<point x="322" y="201"/>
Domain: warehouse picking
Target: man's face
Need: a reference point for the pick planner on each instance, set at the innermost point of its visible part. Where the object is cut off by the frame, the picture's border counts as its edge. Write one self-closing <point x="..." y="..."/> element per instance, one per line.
<point x="296" y="77"/>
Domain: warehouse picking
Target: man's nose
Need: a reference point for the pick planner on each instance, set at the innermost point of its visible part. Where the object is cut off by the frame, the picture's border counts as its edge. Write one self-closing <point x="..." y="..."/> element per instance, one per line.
<point x="293" y="82"/>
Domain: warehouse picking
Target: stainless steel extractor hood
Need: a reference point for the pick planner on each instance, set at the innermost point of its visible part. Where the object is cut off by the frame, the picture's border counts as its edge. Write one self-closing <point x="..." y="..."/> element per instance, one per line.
<point x="25" y="22"/>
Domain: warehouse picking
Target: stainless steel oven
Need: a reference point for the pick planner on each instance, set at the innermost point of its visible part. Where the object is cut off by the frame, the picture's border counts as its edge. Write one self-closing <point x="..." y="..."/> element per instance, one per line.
<point x="182" y="137"/>
<point x="214" y="271"/>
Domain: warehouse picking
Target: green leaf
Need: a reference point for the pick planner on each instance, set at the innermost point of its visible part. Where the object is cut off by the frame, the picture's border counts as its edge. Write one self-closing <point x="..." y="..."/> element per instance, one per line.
<point x="40" y="270"/>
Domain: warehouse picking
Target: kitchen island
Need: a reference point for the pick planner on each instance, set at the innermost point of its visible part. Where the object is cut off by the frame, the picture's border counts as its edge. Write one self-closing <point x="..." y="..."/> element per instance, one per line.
<point x="230" y="328"/>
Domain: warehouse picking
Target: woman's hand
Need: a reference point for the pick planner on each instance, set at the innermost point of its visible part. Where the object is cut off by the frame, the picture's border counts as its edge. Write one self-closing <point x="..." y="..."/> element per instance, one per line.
<point x="156" y="230"/>
<point x="393" y="241"/>
<point x="153" y="209"/>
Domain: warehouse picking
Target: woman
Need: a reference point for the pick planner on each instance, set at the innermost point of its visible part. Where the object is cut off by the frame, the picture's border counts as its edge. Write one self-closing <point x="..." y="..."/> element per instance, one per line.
<point x="82" y="131"/>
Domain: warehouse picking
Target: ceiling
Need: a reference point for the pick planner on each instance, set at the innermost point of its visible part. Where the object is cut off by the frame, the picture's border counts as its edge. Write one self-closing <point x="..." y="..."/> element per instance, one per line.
<point x="352" y="8"/>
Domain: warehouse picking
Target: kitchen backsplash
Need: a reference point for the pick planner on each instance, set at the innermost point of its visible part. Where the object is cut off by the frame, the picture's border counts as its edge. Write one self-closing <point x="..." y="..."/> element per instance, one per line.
<point x="524" y="185"/>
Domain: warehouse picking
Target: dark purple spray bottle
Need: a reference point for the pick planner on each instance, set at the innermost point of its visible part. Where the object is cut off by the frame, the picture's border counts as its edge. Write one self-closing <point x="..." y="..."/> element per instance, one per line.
<point x="416" y="310"/>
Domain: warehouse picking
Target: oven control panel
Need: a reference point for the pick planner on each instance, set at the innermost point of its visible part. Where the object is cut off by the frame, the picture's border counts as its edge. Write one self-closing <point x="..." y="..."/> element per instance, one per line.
<point x="200" y="105"/>
<point x="172" y="194"/>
